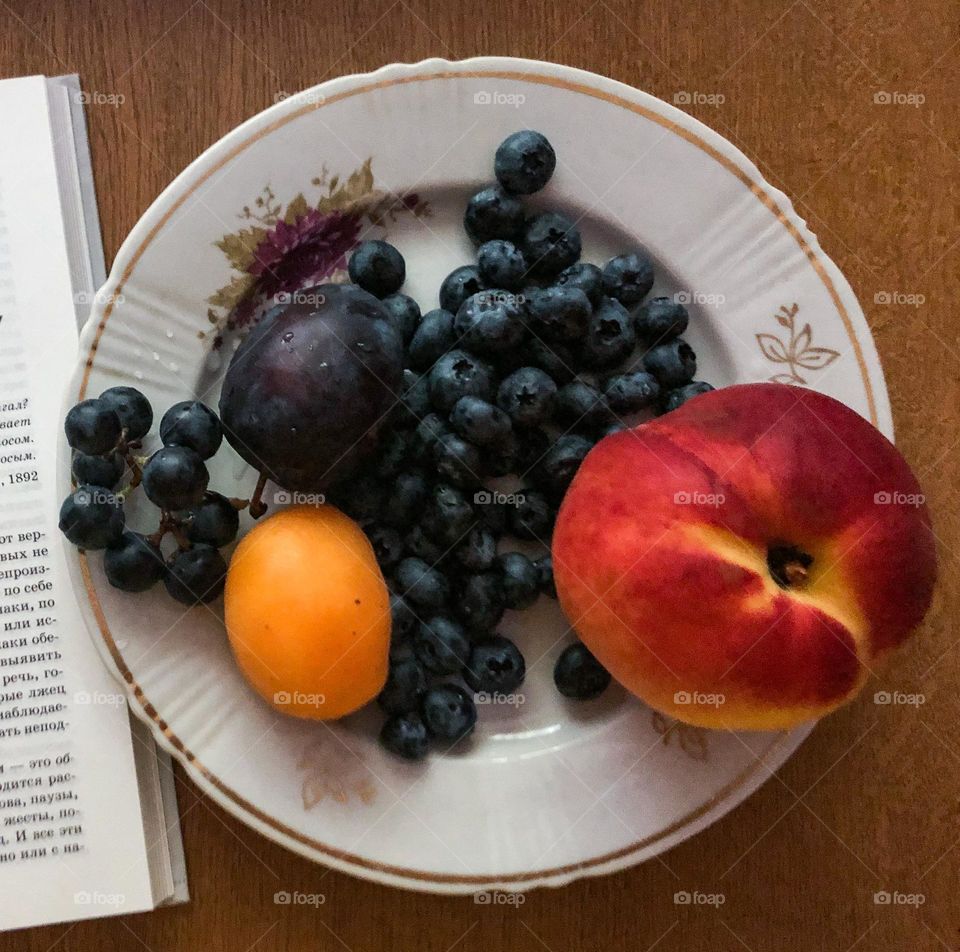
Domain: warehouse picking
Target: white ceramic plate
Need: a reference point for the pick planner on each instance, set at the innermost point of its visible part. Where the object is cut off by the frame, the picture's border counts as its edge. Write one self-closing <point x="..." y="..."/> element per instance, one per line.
<point x="545" y="793"/>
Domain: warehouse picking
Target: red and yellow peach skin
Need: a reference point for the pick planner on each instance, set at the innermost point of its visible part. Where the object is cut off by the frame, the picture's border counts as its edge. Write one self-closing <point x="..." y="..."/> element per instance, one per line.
<point x="747" y="560"/>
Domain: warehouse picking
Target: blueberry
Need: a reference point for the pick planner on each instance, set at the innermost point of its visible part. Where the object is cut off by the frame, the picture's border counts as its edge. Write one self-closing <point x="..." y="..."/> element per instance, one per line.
<point x="545" y="570"/>
<point x="449" y="712"/>
<point x="616" y="426"/>
<point x="673" y="363"/>
<point x="526" y="396"/>
<point x="406" y="682"/>
<point x="423" y="586"/>
<point x="532" y="517"/>
<point x="377" y="267"/>
<point x="425" y="437"/>
<point x="387" y="546"/>
<point x="490" y="322"/>
<point x="196" y="575"/>
<point x="673" y="399"/>
<point x="586" y="277"/>
<point x="93" y="427"/>
<point x="457" y="461"/>
<point x="419" y="544"/>
<point x="501" y="264"/>
<point x="404" y="314"/>
<point x="406" y="736"/>
<point x="521" y="580"/>
<point x="627" y="393"/>
<point x="442" y="645"/>
<point x="496" y="666"/>
<point x="448" y="516"/>
<point x="524" y="162"/>
<point x="403" y="619"/>
<point x="361" y="499"/>
<point x="133" y="564"/>
<point x="501" y="458"/>
<point x="432" y="339"/>
<point x="133" y="408"/>
<point x="493" y="213"/>
<point x="459" y="374"/>
<point x="660" y="319"/>
<point x="532" y="443"/>
<point x="628" y="278"/>
<point x="610" y="338"/>
<point x="415" y="398"/>
<point x="495" y="513"/>
<point x="559" y="313"/>
<point x="480" y="422"/>
<point x="556" y="470"/>
<point x="554" y="359"/>
<point x="105" y="471"/>
<point x="478" y="551"/>
<point x="458" y="285"/>
<point x="579" y="404"/>
<point x="480" y="602"/>
<point x="578" y="675"/>
<point x="194" y="425"/>
<point x="214" y="522"/>
<point x="92" y="517"/>
<point x="392" y="454"/>
<point x="551" y="242"/>
<point x="402" y="506"/>
<point x="175" y="478"/>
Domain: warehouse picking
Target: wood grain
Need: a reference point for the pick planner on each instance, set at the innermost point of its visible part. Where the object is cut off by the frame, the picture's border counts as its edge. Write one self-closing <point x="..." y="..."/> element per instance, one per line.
<point x="872" y="800"/>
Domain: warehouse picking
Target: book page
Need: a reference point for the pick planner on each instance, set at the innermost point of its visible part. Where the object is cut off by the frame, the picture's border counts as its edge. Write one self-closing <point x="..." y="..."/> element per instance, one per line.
<point x="71" y="832"/>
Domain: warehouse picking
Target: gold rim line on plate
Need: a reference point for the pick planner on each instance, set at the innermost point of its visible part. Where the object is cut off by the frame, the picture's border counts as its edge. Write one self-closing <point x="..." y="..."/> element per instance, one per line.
<point x="183" y="752"/>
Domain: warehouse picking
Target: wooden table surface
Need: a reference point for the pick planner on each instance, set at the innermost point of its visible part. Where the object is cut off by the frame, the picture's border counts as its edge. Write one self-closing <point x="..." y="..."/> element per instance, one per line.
<point x="871" y="802"/>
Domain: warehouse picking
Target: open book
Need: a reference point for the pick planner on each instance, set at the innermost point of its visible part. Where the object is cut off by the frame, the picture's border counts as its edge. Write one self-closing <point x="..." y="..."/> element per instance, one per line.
<point x="88" y="821"/>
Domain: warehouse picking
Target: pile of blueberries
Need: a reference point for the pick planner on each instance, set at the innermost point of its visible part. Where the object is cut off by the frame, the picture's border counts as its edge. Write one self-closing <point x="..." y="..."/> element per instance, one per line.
<point x="532" y="357"/>
<point x="103" y="434"/>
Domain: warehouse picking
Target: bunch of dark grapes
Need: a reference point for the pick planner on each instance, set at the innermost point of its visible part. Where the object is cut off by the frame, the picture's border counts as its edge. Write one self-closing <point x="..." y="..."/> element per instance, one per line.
<point x="103" y="433"/>
<point x="532" y="357"/>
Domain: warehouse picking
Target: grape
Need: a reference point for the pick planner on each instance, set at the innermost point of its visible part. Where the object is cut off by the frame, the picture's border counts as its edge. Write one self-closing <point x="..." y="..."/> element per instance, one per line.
<point x="92" y="427"/>
<point x="175" y="478"/>
<point x="133" y="408"/>
<point x="134" y="563"/>
<point x="196" y="575"/>
<point x="92" y="517"/>
<point x="105" y="471"/>
<point x="214" y="522"/>
<point x="194" y="425"/>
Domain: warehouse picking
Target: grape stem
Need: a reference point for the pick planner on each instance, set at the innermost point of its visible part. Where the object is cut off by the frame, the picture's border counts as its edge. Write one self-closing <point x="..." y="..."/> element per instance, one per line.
<point x="257" y="506"/>
<point x="170" y="524"/>
<point x="123" y="447"/>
